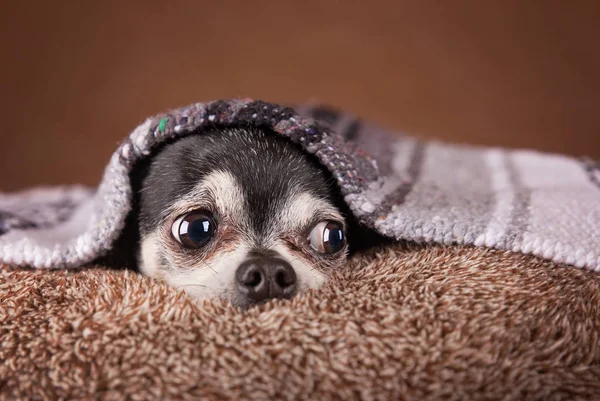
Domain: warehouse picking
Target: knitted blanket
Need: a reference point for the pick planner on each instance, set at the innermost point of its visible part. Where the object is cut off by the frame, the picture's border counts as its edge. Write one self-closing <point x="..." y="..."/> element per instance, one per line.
<point x="405" y="188"/>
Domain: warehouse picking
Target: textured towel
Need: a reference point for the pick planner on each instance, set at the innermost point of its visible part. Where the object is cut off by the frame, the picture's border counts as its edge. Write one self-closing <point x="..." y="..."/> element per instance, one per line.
<point x="403" y="323"/>
<point x="405" y="188"/>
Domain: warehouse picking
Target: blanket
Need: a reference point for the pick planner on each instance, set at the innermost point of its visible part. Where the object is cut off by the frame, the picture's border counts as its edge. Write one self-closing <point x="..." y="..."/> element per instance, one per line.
<point x="403" y="323"/>
<point x="403" y="187"/>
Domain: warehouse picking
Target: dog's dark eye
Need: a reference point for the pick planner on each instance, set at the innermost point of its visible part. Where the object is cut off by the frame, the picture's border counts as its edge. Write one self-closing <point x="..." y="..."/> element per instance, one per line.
<point x="327" y="237"/>
<point x="194" y="230"/>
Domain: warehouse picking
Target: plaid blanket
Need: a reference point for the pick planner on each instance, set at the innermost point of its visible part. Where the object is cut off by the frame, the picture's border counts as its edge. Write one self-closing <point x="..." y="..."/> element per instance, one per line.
<point x="403" y="187"/>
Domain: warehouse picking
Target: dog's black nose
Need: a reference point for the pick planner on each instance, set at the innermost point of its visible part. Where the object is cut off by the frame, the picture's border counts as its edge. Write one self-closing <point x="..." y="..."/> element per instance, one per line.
<point x="259" y="279"/>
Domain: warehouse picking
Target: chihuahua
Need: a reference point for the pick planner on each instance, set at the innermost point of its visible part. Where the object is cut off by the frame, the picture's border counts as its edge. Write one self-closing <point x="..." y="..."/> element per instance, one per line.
<point x="241" y="214"/>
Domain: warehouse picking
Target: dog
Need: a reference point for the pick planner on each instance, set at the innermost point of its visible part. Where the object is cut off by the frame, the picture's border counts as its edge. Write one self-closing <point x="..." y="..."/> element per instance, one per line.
<point x="240" y="214"/>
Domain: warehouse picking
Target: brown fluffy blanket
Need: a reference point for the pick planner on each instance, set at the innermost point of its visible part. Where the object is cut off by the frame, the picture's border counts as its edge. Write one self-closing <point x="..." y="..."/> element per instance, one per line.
<point x="406" y="323"/>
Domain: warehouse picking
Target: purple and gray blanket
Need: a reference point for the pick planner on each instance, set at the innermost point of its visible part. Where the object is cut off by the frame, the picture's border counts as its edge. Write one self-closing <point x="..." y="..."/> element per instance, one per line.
<point x="405" y="188"/>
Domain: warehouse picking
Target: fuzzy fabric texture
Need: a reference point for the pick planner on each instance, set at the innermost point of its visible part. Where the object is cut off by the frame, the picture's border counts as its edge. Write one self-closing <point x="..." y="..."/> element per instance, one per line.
<point x="416" y="323"/>
<point x="407" y="189"/>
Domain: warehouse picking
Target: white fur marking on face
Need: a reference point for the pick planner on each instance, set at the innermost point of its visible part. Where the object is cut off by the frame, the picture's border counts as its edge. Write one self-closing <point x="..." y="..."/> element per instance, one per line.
<point x="308" y="276"/>
<point x="226" y="192"/>
<point x="218" y="189"/>
<point x="213" y="279"/>
<point x="217" y="277"/>
<point x="301" y="209"/>
<point x="150" y="249"/>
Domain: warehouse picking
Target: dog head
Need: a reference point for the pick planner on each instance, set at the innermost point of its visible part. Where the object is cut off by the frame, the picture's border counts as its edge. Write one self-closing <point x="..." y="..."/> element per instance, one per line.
<point x="241" y="214"/>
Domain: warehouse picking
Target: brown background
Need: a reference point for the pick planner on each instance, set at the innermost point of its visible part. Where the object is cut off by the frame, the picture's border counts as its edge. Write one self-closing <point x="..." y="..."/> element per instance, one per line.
<point x="76" y="77"/>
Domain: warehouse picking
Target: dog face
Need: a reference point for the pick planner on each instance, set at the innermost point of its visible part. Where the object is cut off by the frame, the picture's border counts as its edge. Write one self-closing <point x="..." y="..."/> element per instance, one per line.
<point x="241" y="214"/>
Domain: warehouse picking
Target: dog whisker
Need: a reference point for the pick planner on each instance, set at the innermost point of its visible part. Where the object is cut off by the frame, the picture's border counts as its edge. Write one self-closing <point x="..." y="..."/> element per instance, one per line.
<point x="191" y="285"/>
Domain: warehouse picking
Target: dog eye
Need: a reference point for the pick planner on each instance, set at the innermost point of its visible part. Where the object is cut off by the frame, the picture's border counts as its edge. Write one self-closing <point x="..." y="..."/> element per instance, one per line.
<point x="327" y="237"/>
<point x="194" y="230"/>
